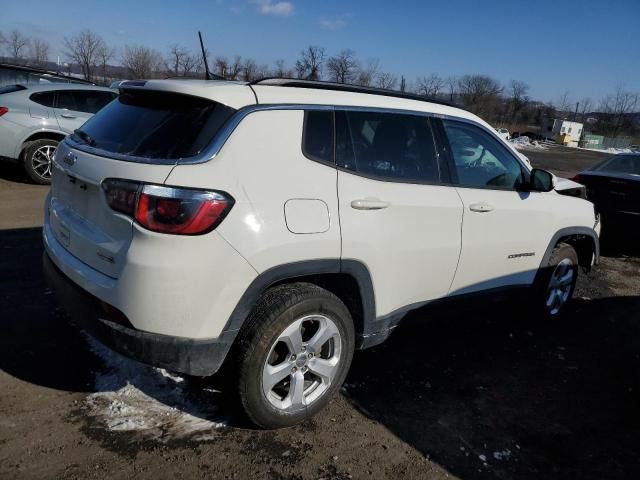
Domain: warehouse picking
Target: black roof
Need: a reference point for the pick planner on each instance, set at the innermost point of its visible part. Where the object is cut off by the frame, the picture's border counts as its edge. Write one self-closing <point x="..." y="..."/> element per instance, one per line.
<point x="343" y="87"/>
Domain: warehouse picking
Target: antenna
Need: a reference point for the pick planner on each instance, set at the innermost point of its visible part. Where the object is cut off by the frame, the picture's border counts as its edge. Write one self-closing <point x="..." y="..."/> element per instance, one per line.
<point x="204" y="57"/>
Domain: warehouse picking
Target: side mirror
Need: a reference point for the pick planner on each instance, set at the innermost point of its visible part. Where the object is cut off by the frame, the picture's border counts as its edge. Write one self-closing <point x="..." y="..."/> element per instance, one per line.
<point x="541" y="180"/>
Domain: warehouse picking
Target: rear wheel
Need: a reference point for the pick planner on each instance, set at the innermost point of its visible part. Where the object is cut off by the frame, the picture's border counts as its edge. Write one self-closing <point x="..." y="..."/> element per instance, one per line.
<point x="293" y="354"/>
<point x="559" y="280"/>
<point x="38" y="160"/>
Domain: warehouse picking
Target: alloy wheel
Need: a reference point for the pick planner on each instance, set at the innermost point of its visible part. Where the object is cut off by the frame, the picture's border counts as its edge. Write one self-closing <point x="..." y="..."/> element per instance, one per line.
<point x="560" y="285"/>
<point x="302" y="363"/>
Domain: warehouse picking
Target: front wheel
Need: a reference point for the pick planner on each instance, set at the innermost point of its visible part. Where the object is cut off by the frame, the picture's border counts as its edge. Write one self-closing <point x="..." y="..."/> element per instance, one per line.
<point x="293" y="355"/>
<point x="559" y="280"/>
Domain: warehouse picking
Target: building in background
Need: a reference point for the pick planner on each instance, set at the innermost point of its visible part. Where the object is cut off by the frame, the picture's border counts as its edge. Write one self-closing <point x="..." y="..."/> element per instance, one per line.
<point x="563" y="131"/>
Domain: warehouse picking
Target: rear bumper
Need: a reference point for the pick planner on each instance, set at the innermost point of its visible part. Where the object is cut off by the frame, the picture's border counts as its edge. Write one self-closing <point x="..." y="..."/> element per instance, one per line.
<point x="191" y="356"/>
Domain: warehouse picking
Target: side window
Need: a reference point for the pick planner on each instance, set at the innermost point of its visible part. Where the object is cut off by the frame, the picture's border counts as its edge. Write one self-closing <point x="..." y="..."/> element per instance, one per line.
<point x="317" y="135"/>
<point x="90" y="101"/>
<point x="386" y="145"/>
<point x="43" y="98"/>
<point x="480" y="160"/>
<point x="67" y="99"/>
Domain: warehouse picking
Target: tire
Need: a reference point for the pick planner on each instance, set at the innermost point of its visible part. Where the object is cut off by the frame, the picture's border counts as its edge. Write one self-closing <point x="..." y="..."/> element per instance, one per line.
<point x="269" y="344"/>
<point x="558" y="281"/>
<point x="38" y="158"/>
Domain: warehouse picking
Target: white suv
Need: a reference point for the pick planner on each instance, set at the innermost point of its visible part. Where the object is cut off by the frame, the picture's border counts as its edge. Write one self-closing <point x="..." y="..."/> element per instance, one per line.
<point x="279" y="225"/>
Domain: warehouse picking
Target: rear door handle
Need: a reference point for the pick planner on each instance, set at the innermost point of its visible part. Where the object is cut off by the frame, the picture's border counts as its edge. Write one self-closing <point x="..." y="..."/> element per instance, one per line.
<point x="480" y="207"/>
<point x="66" y="115"/>
<point x="369" y="204"/>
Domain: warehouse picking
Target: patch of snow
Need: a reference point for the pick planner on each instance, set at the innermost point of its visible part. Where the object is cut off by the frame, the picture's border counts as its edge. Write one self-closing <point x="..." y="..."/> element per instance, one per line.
<point x="525" y="143"/>
<point x="609" y="150"/>
<point x="502" y="455"/>
<point x="133" y="397"/>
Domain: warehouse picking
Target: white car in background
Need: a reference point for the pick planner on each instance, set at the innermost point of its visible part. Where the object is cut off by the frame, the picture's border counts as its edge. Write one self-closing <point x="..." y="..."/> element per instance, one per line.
<point x="503" y="133"/>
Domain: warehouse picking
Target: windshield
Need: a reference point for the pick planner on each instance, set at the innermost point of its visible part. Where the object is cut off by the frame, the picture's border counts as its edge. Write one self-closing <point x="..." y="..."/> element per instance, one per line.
<point x="155" y="125"/>
<point x="629" y="164"/>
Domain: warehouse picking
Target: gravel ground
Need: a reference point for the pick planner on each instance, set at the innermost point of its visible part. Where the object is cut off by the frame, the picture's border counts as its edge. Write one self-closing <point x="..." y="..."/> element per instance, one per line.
<point x="482" y="391"/>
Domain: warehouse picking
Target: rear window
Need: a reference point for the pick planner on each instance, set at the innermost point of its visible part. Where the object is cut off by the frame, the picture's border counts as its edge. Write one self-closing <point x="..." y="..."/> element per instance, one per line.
<point x="155" y="125"/>
<point x="621" y="164"/>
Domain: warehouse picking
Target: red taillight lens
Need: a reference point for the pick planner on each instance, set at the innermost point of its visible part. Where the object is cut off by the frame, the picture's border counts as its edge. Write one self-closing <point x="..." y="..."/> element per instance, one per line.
<point x="3" y="110"/>
<point x="180" y="211"/>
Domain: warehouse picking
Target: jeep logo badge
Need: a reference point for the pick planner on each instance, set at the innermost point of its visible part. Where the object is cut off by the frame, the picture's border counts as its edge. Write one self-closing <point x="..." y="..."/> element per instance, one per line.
<point x="70" y="158"/>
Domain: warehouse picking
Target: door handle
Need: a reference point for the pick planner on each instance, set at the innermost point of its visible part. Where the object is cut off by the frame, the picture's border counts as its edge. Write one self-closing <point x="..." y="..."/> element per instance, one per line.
<point x="66" y="115"/>
<point x="368" y="204"/>
<point x="480" y="207"/>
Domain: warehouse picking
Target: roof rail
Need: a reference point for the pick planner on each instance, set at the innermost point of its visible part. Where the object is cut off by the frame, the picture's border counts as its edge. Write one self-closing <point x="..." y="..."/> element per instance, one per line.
<point x="343" y="87"/>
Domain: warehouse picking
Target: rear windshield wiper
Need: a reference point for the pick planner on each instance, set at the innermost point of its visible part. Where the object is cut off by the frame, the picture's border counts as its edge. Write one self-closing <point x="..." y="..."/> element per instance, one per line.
<point x="85" y="137"/>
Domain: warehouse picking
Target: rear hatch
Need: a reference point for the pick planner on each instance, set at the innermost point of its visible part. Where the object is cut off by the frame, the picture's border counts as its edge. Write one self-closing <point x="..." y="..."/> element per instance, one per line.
<point x="139" y="137"/>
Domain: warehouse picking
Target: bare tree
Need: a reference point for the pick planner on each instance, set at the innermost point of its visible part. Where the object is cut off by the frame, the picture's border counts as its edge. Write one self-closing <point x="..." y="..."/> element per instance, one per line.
<point x="309" y="65"/>
<point x="221" y="66"/>
<point x="452" y="87"/>
<point x="430" y="86"/>
<point x="235" y="68"/>
<point x="480" y="94"/>
<point x="176" y="58"/>
<point x="39" y="51"/>
<point x="249" y="70"/>
<point x="343" y="67"/>
<point x="367" y="76"/>
<point x="615" y="110"/>
<point x="563" y="105"/>
<point x="83" y="49"/>
<point x="104" y="54"/>
<point x="281" y="70"/>
<point x="17" y="43"/>
<point x="141" y="62"/>
<point x="387" y="80"/>
<point x="585" y="108"/>
<point x="518" y="98"/>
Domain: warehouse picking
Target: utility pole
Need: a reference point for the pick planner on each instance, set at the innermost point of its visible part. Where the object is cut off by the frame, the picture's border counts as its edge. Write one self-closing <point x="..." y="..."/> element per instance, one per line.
<point x="575" y="115"/>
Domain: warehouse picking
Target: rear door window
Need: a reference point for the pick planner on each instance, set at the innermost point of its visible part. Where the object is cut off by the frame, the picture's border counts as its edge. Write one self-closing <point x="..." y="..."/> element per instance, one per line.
<point x="317" y="137"/>
<point x="87" y="101"/>
<point x="155" y="125"/>
<point x="390" y="146"/>
<point x="45" y="99"/>
<point x="67" y="100"/>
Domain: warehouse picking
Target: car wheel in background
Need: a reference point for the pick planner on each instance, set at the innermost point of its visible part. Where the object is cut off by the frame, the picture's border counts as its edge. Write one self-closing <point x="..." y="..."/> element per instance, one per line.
<point x="293" y="355"/>
<point x="38" y="160"/>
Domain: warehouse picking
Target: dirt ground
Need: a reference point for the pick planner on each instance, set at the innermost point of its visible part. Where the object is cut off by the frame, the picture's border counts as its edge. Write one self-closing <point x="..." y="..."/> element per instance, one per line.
<point x="480" y="392"/>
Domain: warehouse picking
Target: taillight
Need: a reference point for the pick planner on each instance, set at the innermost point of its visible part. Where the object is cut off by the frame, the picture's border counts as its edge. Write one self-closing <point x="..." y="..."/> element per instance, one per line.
<point x="3" y="110"/>
<point x="121" y="195"/>
<point x="180" y="211"/>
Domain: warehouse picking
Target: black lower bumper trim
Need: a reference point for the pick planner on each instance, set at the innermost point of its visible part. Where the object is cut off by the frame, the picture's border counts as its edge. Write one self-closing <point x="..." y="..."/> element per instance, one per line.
<point x="184" y="355"/>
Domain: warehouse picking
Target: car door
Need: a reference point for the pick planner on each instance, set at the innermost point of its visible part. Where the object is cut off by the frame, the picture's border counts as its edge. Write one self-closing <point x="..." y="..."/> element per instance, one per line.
<point x="74" y="107"/>
<point x="505" y="229"/>
<point x="396" y="215"/>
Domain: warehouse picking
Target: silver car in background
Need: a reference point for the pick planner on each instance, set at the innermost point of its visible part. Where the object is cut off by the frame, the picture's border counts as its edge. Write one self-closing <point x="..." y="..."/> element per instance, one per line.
<point x="34" y="118"/>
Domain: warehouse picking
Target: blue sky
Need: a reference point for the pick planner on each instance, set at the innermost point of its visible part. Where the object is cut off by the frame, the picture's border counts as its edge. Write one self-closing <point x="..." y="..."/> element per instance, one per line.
<point x="585" y="47"/>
